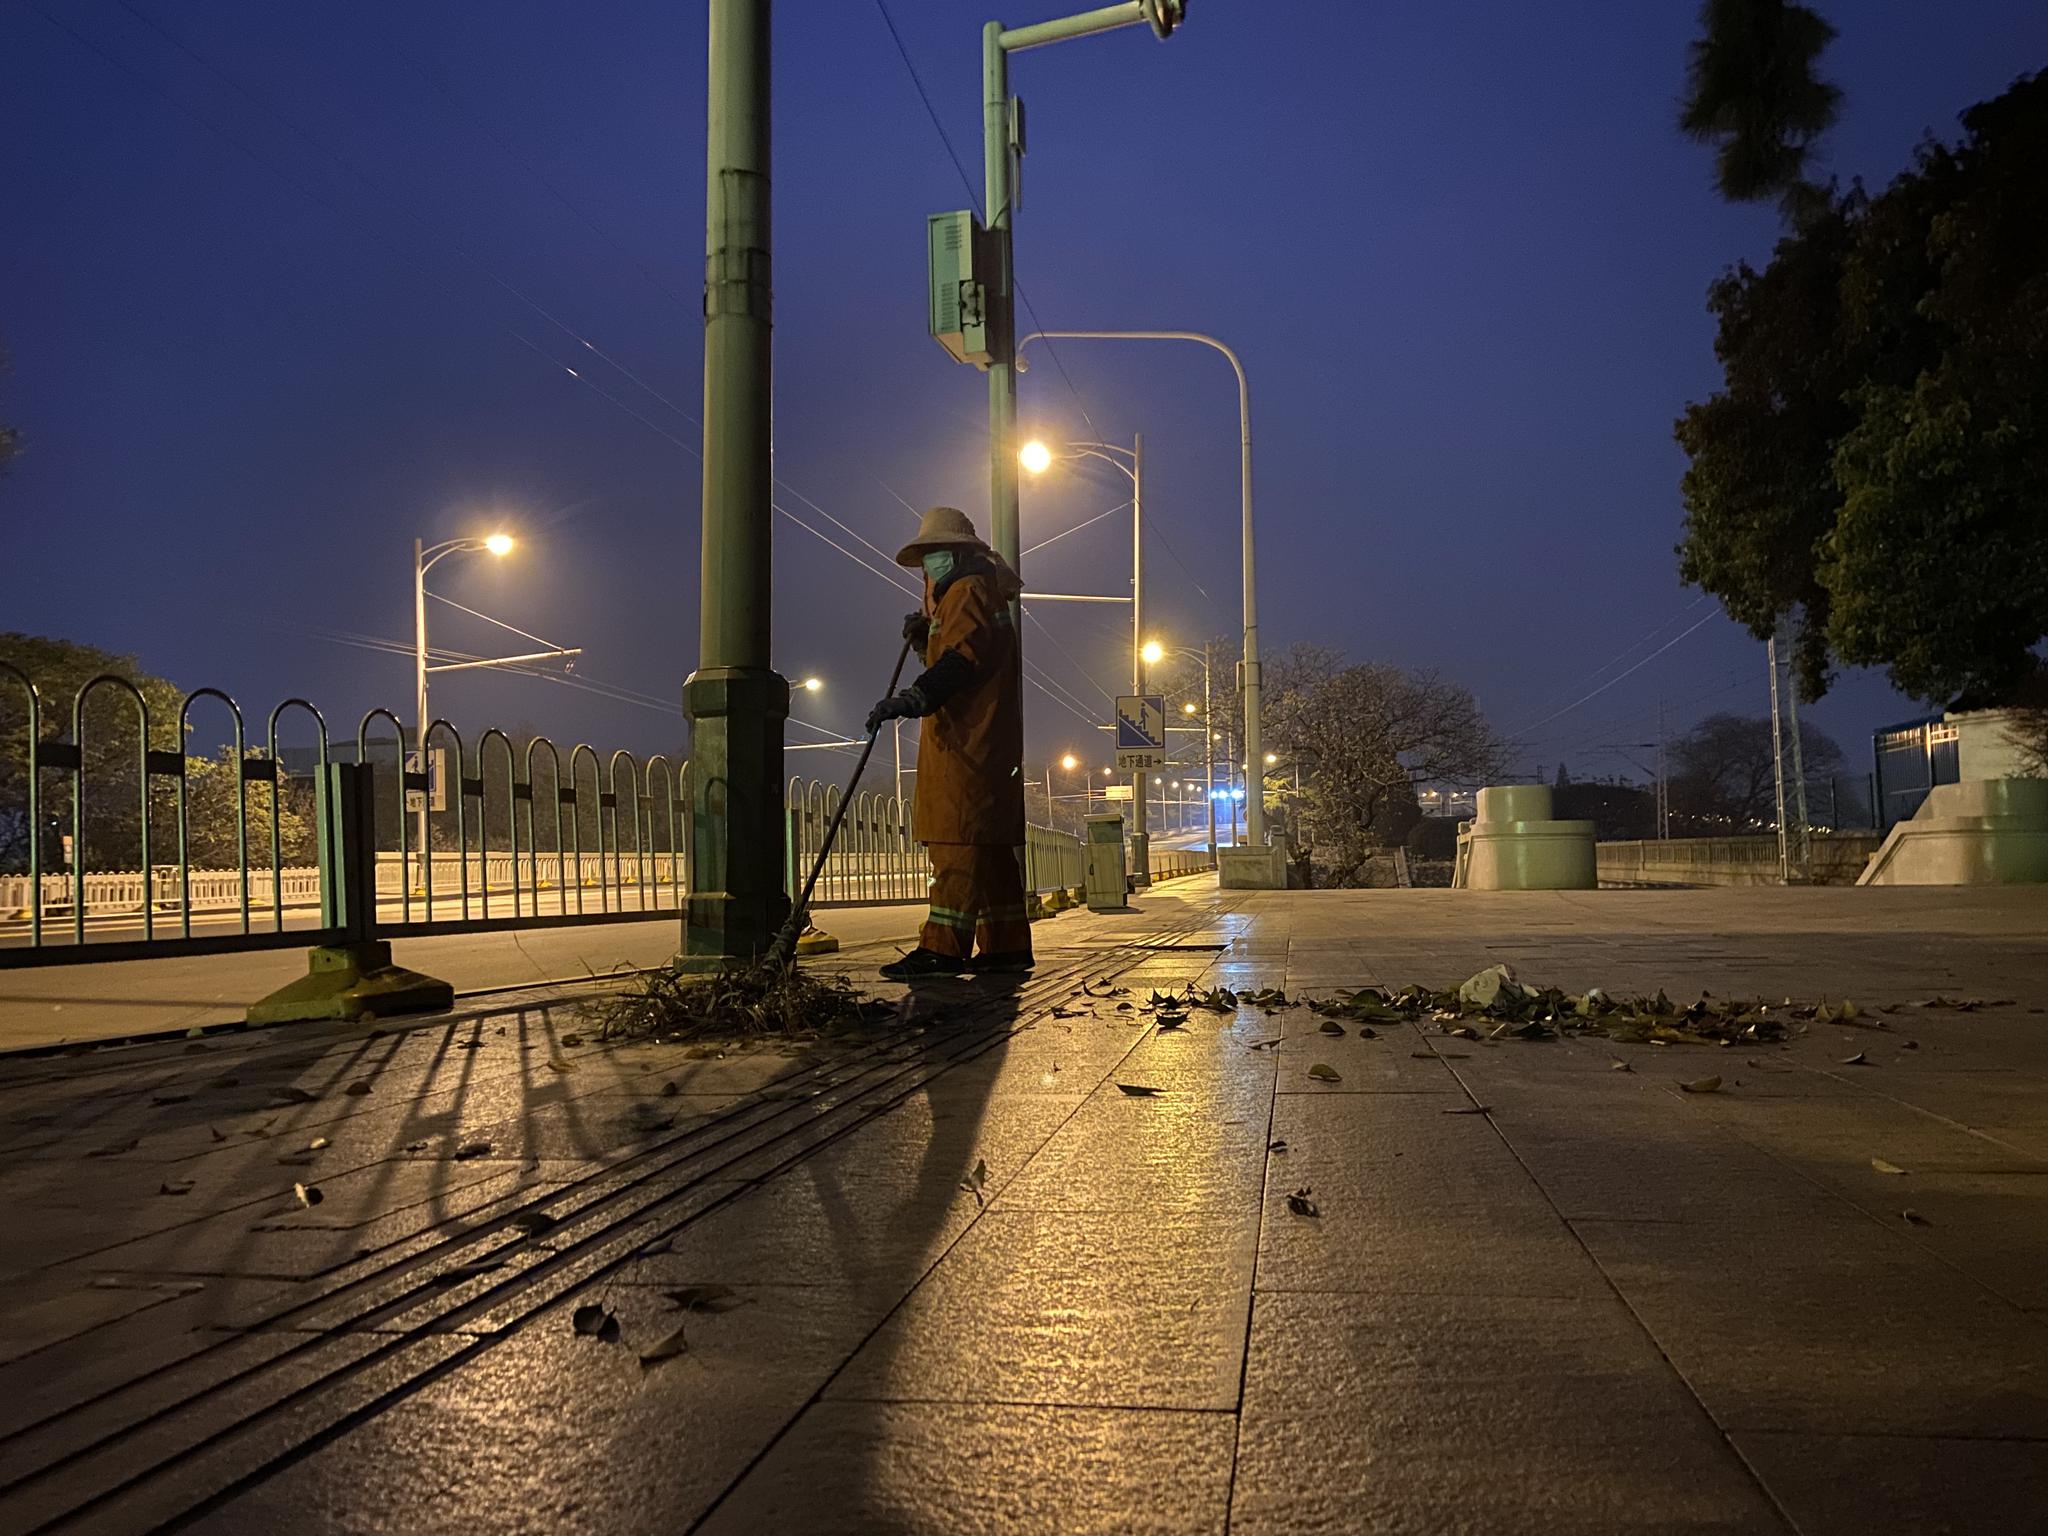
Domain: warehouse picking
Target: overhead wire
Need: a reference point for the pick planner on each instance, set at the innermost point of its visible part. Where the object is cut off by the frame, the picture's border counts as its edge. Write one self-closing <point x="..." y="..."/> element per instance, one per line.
<point x="975" y="198"/>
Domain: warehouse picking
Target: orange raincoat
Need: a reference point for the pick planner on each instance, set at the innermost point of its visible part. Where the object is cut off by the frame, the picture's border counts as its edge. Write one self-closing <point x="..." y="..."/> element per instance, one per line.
<point x="970" y="759"/>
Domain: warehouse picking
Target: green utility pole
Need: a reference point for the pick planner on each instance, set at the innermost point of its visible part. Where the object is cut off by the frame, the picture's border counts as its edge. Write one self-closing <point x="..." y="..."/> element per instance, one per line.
<point x="736" y="701"/>
<point x="1141" y="835"/>
<point x="1002" y="127"/>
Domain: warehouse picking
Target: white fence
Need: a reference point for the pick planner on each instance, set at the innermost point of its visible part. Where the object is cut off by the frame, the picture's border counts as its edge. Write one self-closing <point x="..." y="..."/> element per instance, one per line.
<point x="119" y="892"/>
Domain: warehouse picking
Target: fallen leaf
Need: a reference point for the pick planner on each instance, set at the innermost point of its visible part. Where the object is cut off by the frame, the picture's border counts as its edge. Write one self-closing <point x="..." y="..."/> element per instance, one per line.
<point x="1300" y="1203"/>
<point x="1909" y="1045"/>
<point x="1331" y="1027"/>
<point x="1884" y="1167"/>
<point x="595" y="1322"/>
<point x="675" y="1344"/>
<point x="669" y="1090"/>
<point x="169" y="1098"/>
<point x="570" y="1042"/>
<point x="1463" y="1033"/>
<point x="1702" y="1085"/>
<point x="1276" y="1146"/>
<point x="975" y="1180"/>
<point x="308" y="1195"/>
<point x="556" y="1064"/>
<point x="1264" y="1045"/>
<point x="356" y="1090"/>
<point x="706" y="1298"/>
<point x="1858" y="1060"/>
<point x="317" y="1143"/>
<point x="1914" y="1219"/>
<point x="533" y="1223"/>
<point x="1470" y="1109"/>
<point x="1123" y="1007"/>
<point x="175" y="1187"/>
<point x="216" y="1135"/>
<point x="659" y="1245"/>
<point x="1324" y="1073"/>
<point x="1175" y="1021"/>
<point x="1620" y="1066"/>
<point x="116" y="1151"/>
<point x="471" y="1149"/>
<point x="1139" y="1090"/>
<point x="292" y="1094"/>
<point x="1367" y="1032"/>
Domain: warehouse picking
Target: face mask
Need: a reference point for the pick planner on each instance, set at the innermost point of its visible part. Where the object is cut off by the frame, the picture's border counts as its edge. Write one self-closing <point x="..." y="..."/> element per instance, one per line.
<point x="939" y="565"/>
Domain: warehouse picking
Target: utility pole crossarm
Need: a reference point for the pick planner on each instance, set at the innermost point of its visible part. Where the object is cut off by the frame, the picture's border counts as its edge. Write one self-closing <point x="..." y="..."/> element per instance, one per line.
<point x="507" y="661"/>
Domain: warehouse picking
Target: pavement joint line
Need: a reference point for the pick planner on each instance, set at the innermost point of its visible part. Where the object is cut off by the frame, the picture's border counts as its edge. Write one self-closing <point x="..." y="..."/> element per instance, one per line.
<point x="818" y="1395"/>
<point x="1721" y="1431"/>
<point x="531" y="1280"/>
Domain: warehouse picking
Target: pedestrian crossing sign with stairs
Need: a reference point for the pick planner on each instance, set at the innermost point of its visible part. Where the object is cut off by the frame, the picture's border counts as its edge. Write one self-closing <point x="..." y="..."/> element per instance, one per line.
<point x="1140" y="730"/>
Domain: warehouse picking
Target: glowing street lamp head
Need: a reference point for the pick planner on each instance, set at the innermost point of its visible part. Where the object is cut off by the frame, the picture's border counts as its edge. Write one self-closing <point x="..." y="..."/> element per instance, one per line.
<point x="499" y="543"/>
<point x="1035" y="456"/>
<point x="1189" y="708"/>
<point x="1272" y="758"/>
<point x="813" y="684"/>
<point x="1070" y="762"/>
<point x="1151" y="651"/>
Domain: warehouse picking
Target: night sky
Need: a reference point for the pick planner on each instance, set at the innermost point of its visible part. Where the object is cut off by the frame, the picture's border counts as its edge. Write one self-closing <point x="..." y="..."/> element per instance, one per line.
<point x="285" y="286"/>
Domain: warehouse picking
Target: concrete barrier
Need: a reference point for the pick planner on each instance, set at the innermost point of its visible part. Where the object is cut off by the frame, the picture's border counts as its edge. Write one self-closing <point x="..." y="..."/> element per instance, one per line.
<point x="1836" y="859"/>
<point x="1978" y="832"/>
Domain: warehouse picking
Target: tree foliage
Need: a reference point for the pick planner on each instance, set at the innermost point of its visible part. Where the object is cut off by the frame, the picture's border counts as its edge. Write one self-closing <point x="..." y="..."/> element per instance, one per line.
<point x="1875" y="464"/>
<point x="1723" y="778"/>
<point x="1364" y="735"/>
<point x="1754" y="92"/>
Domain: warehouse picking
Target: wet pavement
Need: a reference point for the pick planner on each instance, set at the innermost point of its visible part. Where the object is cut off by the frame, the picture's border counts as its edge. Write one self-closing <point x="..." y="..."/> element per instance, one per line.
<point x="494" y="1274"/>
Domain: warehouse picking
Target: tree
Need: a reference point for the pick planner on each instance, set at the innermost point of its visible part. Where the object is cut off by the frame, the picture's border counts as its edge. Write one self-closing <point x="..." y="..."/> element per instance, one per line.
<point x="10" y="438"/>
<point x="1723" y="778"/>
<point x="113" y="826"/>
<point x="1877" y="458"/>
<point x="1363" y="736"/>
<point x="1753" y="91"/>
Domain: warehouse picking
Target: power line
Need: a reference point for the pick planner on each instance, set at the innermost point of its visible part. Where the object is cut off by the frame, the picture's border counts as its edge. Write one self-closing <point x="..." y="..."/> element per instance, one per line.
<point x="974" y="199"/>
<point x="1612" y="680"/>
<point x="1090" y="523"/>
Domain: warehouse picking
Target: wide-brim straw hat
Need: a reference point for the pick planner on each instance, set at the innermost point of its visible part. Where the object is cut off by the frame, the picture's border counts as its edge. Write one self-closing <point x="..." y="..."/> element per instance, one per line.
<point x="942" y="528"/>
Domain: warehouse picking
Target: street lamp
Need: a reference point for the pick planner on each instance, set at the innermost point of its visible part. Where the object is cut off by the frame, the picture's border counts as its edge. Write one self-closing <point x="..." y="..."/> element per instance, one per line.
<point x="1036" y="457"/>
<point x="424" y="558"/>
<point x="813" y="684"/>
<point x="1253" y="679"/>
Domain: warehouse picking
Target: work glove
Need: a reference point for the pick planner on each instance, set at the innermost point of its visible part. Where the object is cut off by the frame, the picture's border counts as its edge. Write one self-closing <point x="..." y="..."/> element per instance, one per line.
<point x="905" y="705"/>
<point x="917" y="629"/>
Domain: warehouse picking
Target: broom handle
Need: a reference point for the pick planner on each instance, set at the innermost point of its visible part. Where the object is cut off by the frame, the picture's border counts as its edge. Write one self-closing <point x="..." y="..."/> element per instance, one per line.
<point x="803" y="902"/>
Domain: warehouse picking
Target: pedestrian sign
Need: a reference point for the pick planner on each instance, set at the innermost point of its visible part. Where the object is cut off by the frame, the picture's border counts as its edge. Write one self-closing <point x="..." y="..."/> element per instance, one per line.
<point x="1140" y="730"/>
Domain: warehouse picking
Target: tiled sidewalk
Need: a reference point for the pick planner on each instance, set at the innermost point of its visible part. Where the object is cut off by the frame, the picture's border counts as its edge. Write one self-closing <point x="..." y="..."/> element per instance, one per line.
<point x="976" y="1286"/>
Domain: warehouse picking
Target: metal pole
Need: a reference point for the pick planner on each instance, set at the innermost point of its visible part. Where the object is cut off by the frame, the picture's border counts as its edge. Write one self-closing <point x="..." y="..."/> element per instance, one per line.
<point x="1778" y="763"/>
<point x="899" y="766"/>
<point x="419" y="644"/>
<point x="736" y="701"/>
<point x="1208" y="751"/>
<point x="1141" y="838"/>
<point x="997" y="167"/>
<point x="1802" y="838"/>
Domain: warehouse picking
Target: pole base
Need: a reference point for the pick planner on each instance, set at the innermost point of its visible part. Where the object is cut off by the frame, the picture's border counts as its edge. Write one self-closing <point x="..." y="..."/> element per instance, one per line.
<point x="346" y="981"/>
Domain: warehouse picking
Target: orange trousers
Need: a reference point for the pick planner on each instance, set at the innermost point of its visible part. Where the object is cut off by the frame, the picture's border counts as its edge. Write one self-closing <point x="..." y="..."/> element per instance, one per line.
<point x="977" y="899"/>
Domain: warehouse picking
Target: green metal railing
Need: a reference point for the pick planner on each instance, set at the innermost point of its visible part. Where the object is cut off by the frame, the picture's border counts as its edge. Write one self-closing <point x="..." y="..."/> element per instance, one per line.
<point x="528" y="836"/>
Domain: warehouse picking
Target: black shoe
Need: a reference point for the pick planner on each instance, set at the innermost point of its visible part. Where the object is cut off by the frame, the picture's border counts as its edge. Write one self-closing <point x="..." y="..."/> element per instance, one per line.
<point x="921" y="963"/>
<point x="1009" y="962"/>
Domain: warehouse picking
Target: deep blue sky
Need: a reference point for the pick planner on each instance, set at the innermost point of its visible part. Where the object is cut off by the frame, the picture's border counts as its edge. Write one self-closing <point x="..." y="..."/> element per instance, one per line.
<point x="1461" y="248"/>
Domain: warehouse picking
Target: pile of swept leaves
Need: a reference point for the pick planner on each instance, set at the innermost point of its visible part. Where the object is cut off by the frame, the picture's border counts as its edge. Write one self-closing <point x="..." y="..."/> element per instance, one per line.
<point x="761" y="999"/>
<point x="1494" y="1005"/>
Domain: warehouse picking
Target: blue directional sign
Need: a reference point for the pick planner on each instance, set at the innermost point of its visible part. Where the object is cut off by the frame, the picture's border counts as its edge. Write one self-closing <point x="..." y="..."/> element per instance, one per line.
<point x="1140" y="730"/>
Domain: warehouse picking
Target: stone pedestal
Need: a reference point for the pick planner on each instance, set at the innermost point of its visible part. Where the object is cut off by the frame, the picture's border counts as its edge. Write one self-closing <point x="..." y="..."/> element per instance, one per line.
<point x="1979" y="832"/>
<point x="1512" y="844"/>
